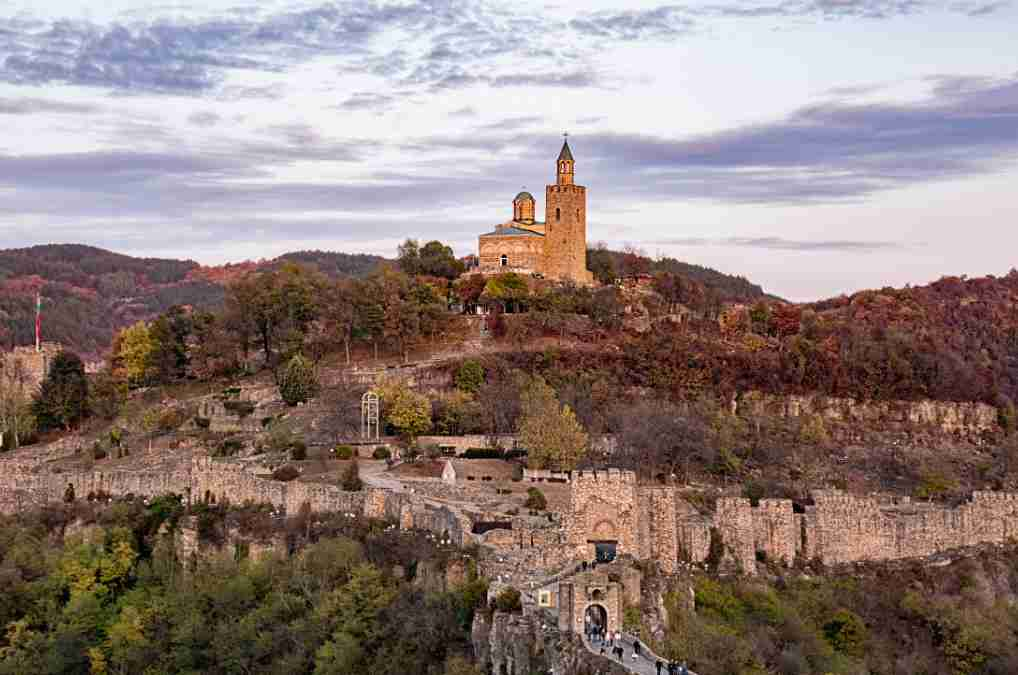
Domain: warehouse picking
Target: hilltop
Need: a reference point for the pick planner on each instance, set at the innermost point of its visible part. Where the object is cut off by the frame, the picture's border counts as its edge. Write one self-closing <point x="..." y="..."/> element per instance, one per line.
<point x="89" y="293"/>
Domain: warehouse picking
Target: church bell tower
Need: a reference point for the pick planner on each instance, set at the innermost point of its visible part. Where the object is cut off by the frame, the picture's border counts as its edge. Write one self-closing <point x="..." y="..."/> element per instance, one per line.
<point x="565" y="244"/>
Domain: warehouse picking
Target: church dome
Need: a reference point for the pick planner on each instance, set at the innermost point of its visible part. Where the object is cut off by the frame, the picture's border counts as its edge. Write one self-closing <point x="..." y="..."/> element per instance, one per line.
<point x="524" y="197"/>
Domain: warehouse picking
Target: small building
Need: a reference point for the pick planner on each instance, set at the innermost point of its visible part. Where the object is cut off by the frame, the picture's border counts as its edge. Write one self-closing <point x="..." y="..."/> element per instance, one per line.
<point x="466" y="471"/>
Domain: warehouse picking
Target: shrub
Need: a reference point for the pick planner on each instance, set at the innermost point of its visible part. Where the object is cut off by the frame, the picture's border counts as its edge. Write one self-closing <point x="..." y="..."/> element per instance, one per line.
<point x="344" y="452"/>
<point x="509" y="601"/>
<point x="298" y="450"/>
<point x="381" y="452"/>
<point x="202" y="422"/>
<point x="432" y="451"/>
<point x="286" y="473"/>
<point x="351" y="479"/>
<point x="239" y="408"/>
<point x="98" y="451"/>
<point x="935" y="484"/>
<point x="483" y="453"/>
<point x="228" y="447"/>
<point x="469" y="377"/>
<point x="536" y="500"/>
<point x="846" y="632"/>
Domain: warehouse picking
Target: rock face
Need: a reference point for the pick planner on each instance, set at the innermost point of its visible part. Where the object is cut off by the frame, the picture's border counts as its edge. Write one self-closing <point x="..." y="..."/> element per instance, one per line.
<point x="965" y="419"/>
<point x="521" y="644"/>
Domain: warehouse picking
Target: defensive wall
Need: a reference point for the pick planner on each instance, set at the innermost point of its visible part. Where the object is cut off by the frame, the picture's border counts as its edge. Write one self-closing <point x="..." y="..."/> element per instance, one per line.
<point x="654" y="522"/>
<point x="24" y="485"/>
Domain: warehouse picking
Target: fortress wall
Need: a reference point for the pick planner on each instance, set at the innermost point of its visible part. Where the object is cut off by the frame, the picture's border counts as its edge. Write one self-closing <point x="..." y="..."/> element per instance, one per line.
<point x="774" y="531"/>
<point x="694" y="538"/>
<point x="734" y="520"/>
<point x="663" y="527"/>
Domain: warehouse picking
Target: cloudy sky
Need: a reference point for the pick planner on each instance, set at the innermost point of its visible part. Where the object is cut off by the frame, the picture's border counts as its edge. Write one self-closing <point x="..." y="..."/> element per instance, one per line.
<point x="814" y="146"/>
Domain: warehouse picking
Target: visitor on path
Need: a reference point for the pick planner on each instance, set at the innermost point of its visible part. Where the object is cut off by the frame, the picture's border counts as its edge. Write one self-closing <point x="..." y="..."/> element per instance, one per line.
<point x="636" y="648"/>
<point x="683" y="670"/>
<point x="658" y="665"/>
<point x="673" y="668"/>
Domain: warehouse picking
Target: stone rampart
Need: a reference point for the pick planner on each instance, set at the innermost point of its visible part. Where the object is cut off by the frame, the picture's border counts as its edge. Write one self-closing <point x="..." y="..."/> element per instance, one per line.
<point x="654" y="522"/>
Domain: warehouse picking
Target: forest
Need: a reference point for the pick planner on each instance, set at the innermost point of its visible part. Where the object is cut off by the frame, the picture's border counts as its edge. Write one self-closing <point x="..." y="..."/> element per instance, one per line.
<point x="120" y="597"/>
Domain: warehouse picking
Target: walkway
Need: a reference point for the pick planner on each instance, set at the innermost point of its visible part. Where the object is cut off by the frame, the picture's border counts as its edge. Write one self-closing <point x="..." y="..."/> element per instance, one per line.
<point x="643" y="665"/>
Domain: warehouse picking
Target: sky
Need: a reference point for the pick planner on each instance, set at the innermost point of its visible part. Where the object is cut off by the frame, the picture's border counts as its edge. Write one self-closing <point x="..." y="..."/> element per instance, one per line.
<point x="816" y="147"/>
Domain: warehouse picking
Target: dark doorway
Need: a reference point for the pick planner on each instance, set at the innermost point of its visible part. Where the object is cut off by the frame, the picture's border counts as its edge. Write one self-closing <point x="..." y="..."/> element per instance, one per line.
<point x="604" y="551"/>
<point x="596" y="620"/>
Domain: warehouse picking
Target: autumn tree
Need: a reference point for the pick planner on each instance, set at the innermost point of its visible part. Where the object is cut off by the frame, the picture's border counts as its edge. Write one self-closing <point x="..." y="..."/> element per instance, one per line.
<point x="406" y="411"/>
<point x="549" y="430"/>
<point x="133" y="350"/>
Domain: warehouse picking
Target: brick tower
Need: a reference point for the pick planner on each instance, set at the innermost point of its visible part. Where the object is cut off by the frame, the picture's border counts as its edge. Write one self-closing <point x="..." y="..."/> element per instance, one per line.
<point x="565" y="243"/>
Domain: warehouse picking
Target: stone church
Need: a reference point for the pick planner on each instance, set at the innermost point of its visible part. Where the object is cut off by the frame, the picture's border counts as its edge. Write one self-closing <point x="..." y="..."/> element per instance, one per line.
<point x="555" y="249"/>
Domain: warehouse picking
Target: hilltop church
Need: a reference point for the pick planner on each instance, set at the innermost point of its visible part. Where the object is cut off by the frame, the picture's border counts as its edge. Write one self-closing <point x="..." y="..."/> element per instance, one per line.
<point x="555" y="249"/>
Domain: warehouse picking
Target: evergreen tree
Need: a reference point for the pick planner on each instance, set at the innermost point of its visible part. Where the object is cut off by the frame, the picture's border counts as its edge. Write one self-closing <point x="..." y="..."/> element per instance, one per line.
<point x="298" y="382"/>
<point x="62" y="401"/>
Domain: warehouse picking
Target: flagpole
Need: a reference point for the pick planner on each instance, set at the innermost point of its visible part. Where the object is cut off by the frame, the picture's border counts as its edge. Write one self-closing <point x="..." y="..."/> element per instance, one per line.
<point x="38" y="322"/>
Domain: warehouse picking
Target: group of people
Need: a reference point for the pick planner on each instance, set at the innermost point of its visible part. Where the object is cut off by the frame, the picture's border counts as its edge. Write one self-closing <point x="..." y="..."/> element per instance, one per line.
<point x="597" y="635"/>
<point x="672" y="668"/>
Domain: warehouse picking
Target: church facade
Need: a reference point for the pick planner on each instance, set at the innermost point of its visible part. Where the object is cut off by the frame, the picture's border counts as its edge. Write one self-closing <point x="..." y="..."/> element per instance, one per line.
<point x="554" y="249"/>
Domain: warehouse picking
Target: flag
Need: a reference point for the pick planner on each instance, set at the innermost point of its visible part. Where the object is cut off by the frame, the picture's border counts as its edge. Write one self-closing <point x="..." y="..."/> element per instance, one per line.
<point x="38" y="321"/>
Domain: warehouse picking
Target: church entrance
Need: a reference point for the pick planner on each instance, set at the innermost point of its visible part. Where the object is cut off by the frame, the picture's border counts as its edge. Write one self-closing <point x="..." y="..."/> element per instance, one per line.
<point x="596" y="621"/>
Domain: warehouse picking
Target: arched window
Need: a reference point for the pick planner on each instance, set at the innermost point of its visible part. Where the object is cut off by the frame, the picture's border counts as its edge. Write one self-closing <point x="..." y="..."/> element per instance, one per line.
<point x="558" y="214"/>
<point x="505" y="260"/>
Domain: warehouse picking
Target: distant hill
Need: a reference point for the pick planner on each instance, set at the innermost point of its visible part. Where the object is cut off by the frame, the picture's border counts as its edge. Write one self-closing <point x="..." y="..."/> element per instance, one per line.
<point x="90" y="293"/>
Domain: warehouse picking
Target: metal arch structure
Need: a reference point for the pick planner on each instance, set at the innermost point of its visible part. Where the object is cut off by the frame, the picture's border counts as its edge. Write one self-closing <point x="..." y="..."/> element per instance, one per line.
<point x="371" y="428"/>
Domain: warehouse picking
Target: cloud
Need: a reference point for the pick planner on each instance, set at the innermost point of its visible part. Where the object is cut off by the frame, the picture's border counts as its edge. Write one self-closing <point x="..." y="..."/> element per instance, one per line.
<point x="662" y="22"/>
<point x="782" y="244"/>
<point x="31" y="106"/>
<point x="367" y="101"/>
<point x="511" y="124"/>
<point x="467" y="111"/>
<point x="671" y="21"/>
<point x="204" y="118"/>
<point x="574" y="79"/>
<point x="830" y="151"/>
<point x="188" y="57"/>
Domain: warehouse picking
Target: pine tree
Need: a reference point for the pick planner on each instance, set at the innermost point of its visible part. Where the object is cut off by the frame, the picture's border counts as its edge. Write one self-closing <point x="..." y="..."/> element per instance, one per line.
<point x="62" y="401"/>
<point x="298" y="382"/>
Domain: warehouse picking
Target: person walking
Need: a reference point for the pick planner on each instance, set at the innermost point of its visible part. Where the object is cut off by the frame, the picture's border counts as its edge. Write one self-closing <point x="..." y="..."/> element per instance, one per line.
<point x="658" y="665"/>
<point x="636" y="648"/>
<point x="683" y="670"/>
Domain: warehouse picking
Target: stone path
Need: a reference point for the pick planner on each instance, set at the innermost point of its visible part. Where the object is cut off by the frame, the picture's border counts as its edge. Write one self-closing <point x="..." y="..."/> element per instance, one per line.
<point x="643" y="665"/>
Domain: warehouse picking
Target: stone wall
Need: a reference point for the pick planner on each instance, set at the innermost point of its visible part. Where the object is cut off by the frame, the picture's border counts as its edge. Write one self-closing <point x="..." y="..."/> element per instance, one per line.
<point x="23" y="486"/>
<point x="654" y="522"/>
<point x="525" y="253"/>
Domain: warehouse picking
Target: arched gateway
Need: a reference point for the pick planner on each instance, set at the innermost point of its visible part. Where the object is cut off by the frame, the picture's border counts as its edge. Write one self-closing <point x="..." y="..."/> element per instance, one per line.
<point x="588" y="599"/>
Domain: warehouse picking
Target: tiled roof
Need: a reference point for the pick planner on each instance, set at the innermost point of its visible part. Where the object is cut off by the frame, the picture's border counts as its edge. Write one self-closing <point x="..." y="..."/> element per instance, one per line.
<point x="566" y="153"/>
<point x="512" y="232"/>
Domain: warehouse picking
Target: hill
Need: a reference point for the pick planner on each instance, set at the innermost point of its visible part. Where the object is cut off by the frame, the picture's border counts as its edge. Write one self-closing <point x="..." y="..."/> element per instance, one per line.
<point x="89" y="293"/>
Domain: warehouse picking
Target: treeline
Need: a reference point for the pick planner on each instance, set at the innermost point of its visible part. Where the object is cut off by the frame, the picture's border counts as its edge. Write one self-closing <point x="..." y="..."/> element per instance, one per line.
<point x="609" y="266"/>
<point x="119" y="600"/>
<point x="89" y="267"/>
